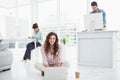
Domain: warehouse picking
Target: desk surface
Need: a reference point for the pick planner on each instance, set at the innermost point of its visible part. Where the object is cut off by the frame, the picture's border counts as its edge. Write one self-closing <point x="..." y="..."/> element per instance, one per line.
<point x="97" y="31"/>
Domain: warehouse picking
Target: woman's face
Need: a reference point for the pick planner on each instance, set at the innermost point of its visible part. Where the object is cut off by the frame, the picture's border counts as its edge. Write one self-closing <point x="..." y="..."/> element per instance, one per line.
<point x="36" y="29"/>
<point x="52" y="39"/>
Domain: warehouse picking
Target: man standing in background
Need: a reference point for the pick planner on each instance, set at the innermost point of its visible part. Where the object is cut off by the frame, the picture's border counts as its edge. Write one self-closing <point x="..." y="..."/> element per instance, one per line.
<point x="97" y="10"/>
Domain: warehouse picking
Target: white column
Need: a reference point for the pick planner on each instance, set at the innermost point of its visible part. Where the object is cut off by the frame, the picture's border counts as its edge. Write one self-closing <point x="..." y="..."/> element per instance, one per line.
<point x="88" y="5"/>
<point x="16" y="15"/>
<point x="58" y="17"/>
<point x="34" y="19"/>
<point x="16" y="24"/>
<point x="34" y="11"/>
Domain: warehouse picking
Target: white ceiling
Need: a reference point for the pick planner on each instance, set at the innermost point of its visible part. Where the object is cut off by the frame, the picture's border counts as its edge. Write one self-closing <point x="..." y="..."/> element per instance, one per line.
<point x="12" y="3"/>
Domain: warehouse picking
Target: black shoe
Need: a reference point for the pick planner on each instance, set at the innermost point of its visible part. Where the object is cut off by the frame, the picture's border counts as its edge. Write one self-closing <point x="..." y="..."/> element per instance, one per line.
<point x="27" y="60"/>
<point x="6" y="69"/>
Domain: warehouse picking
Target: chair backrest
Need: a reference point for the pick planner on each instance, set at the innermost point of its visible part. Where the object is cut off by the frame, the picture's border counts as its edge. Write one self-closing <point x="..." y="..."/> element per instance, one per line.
<point x="55" y="73"/>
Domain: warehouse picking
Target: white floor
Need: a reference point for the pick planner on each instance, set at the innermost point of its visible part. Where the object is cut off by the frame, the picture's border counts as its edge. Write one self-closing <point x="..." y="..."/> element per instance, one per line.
<point x="26" y="71"/>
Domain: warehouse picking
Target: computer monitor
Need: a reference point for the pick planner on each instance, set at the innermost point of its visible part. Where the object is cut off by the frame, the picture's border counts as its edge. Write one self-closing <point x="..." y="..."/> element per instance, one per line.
<point x="93" y="22"/>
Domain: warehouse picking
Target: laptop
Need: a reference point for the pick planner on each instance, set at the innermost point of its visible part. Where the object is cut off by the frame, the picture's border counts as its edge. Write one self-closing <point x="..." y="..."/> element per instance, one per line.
<point x="55" y="73"/>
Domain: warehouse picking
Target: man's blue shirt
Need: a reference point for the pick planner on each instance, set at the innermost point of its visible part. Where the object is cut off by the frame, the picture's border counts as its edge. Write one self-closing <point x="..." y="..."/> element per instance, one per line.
<point x="103" y="13"/>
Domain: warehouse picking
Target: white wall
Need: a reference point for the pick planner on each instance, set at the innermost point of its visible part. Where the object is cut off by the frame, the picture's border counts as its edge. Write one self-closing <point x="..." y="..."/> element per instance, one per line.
<point x="16" y="30"/>
<point x="47" y="13"/>
<point x="14" y="24"/>
<point x="72" y="12"/>
<point x="2" y="19"/>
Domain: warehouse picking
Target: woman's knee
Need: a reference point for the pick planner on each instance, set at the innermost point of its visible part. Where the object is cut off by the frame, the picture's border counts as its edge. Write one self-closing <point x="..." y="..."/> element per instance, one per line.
<point x="66" y="64"/>
<point x="38" y="44"/>
<point x="30" y="45"/>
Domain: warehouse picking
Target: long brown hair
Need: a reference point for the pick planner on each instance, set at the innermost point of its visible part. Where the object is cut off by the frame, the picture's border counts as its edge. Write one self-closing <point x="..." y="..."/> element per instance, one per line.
<point x="47" y="44"/>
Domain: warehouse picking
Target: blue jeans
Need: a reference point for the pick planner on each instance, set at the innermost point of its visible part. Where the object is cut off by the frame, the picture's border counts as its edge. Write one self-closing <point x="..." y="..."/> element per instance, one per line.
<point x="30" y="46"/>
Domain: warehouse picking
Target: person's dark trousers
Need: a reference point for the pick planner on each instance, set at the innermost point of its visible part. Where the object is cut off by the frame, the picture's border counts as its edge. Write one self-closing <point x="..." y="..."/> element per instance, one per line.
<point x="30" y="46"/>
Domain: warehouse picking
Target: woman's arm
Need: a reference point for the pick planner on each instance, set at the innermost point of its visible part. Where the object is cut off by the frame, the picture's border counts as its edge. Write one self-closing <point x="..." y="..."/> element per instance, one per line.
<point x="45" y="62"/>
<point x="60" y="57"/>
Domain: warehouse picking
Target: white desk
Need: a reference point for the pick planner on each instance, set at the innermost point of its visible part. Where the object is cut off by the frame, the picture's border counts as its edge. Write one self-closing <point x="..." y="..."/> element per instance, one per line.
<point x="97" y="48"/>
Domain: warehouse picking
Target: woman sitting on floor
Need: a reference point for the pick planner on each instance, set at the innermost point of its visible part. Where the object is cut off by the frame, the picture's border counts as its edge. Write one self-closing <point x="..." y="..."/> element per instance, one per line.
<point x="51" y="53"/>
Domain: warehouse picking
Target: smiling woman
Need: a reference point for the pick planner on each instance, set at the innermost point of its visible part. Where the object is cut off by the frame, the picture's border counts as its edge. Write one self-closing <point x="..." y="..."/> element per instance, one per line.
<point x="51" y="53"/>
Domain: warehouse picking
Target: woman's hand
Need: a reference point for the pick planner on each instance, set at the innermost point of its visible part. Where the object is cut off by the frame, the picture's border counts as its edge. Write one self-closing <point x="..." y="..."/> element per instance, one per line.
<point x="46" y="65"/>
<point x="59" y="64"/>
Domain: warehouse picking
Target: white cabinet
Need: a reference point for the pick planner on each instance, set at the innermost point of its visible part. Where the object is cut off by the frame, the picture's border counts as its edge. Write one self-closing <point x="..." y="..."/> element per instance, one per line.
<point x="97" y="48"/>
